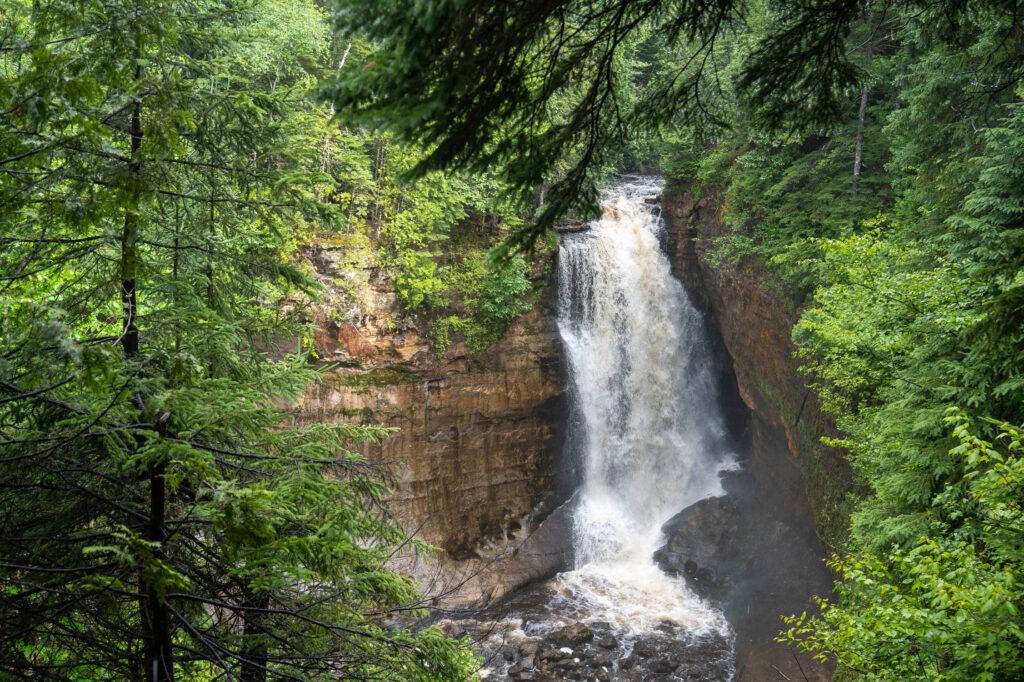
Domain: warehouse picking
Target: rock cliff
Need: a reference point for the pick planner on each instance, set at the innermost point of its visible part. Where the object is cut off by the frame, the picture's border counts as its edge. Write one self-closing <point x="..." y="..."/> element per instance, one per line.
<point x="757" y="552"/>
<point x="754" y="319"/>
<point x="476" y="436"/>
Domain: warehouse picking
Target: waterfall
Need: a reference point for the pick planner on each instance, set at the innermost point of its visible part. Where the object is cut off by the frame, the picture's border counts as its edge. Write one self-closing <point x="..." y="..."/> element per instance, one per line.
<point x="646" y="429"/>
<point x="647" y="426"/>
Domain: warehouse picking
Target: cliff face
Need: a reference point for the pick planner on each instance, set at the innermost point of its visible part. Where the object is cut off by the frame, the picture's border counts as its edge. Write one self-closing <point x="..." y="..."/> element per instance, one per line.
<point x="755" y="321"/>
<point x="758" y="551"/>
<point x="477" y="436"/>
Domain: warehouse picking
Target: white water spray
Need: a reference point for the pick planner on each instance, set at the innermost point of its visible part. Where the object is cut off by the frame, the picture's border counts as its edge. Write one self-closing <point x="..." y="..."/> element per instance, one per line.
<point x="646" y="427"/>
<point x="647" y="423"/>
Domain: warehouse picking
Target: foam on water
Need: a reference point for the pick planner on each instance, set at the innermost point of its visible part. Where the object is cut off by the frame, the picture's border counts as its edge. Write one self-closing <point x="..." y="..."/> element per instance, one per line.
<point x="634" y="598"/>
<point x="646" y="428"/>
<point x="647" y="424"/>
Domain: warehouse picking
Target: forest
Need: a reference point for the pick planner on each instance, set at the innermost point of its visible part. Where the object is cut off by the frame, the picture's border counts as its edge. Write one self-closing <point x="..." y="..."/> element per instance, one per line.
<point x="163" y="513"/>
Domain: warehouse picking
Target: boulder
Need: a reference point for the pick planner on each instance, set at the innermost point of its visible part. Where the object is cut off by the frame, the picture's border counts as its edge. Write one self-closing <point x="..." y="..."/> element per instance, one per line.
<point x="572" y="636"/>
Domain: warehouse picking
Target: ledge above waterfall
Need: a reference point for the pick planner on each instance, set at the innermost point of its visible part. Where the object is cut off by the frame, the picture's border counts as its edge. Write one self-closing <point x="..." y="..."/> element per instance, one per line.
<point x="572" y="228"/>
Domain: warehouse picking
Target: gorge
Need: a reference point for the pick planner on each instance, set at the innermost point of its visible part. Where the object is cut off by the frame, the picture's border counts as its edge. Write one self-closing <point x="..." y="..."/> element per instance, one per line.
<point x="505" y="472"/>
<point x="348" y="339"/>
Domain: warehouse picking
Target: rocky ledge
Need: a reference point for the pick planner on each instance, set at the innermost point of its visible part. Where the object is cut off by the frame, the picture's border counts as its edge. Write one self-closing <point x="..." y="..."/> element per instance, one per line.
<point x="591" y="651"/>
<point x="476" y="436"/>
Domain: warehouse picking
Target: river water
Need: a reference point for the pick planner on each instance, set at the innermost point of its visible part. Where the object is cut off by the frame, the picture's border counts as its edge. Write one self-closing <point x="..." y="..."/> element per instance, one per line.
<point x="650" y="440"/>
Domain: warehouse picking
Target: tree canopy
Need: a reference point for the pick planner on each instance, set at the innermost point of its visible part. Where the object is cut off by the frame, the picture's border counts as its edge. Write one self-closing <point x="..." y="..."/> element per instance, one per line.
<point x="162" y="515"/>
<point x="482" y="85"/>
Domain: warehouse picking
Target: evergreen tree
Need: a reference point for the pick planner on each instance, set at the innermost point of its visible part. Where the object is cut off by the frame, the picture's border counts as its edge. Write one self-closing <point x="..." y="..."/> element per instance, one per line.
<point x="478" y="84"/>
<point x="946" y="607"/>
<point x="163" y="516"/>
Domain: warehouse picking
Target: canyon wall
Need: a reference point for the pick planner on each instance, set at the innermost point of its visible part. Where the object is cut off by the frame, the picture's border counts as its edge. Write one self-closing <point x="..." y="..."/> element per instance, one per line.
<point x="759" y="551"/>
<point x="755" y="319"/>
<point x="477" y="436"/>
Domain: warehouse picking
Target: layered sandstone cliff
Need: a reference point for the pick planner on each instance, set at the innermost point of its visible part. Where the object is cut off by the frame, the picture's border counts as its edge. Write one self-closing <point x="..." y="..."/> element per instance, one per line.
<point x="476" y="437"/>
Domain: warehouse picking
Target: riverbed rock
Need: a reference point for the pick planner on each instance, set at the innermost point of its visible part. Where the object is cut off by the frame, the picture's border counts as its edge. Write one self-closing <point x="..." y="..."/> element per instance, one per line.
<point x="528" y="647"/>
<point x="695" y="536"/>
<point x="572" y="636"/>
<point x="573" y="651"/>
<point x="551" y="653"/>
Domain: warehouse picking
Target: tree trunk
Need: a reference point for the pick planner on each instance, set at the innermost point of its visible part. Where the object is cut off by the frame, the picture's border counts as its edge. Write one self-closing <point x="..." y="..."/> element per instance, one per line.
<point x="254" y="662"/>
<point x="159" y="662"/>
<point x="211" y="292"/>
<point x="156" y="622"/>
<point x="130" y="247"/>
<point x="327" y="139"/>
<point x="859" y="152"/>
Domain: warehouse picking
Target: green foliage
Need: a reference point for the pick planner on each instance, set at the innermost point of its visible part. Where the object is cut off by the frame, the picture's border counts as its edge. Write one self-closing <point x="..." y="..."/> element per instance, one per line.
<point x="779" y="191"/>
<point x="948" y="606"/>
<point x="496" y="297"/>
<point x="417" y="282"/>
<point x="880" y="340"/>
<point x="484" y="87"/>
<point x="949" y="93"/>
<point x="469" y="87"/>
<point x="432" y="237"/>
<point x="493" y="296"/>
<point x="900" y="329"/>
<point x="505" y="295"/>
<point x="171" y="518"/>
<point x="914" y="312"/>
<point x="987" y="237"/>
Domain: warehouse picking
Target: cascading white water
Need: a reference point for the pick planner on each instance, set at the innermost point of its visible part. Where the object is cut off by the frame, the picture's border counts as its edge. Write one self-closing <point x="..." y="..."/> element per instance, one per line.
<point x="643" y="393"/>
<point x="646" y="427"/>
